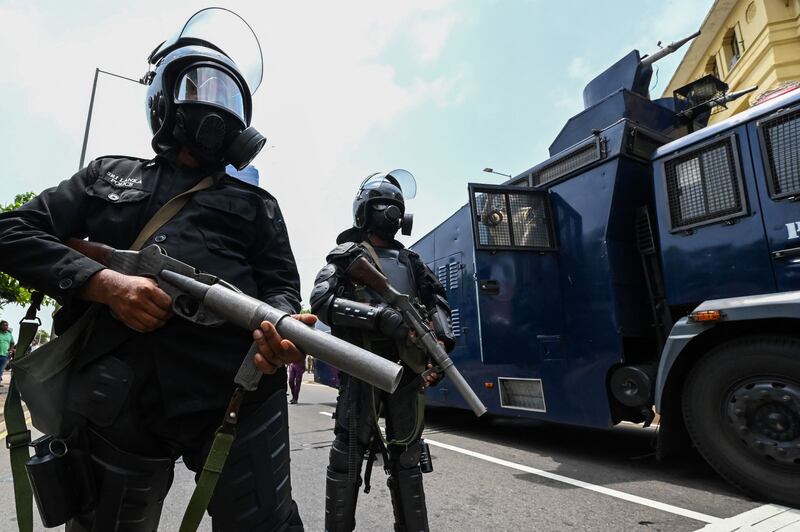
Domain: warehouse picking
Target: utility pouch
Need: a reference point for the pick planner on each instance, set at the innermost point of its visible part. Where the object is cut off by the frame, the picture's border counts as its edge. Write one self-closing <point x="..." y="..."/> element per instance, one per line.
<point x="100" y="390"/>
<point x="42" y="376"/>
<point x="61" y="480"/>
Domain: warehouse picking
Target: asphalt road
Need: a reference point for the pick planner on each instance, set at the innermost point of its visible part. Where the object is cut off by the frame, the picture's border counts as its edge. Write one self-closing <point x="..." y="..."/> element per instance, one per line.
<point x="506" y="474"/>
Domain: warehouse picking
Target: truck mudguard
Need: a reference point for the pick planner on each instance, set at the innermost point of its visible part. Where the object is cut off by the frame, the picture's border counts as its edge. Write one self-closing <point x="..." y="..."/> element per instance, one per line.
<point x="743" y="308"/>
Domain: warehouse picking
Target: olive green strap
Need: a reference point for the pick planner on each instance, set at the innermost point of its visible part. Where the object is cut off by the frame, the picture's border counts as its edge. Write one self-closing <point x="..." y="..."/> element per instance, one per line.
<point x="169" y="210"/>
<point x="18" y="436"/>
<point x="223" y="440"/>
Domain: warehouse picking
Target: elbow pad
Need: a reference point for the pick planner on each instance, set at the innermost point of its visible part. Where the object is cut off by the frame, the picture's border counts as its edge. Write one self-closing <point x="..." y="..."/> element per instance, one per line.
<point x="442" y="325"/>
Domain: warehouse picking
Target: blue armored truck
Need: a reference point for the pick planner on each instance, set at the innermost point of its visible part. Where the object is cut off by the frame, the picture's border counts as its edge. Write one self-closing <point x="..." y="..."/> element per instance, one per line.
<point x="651" y="264"/>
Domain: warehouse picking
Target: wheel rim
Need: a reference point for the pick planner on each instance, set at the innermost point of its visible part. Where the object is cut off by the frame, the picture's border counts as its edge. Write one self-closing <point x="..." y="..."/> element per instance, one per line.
<point x="765" y="413"/>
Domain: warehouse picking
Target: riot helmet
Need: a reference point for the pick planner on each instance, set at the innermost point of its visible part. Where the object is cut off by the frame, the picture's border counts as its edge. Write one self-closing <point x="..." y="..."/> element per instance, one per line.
<point x="200" y="89"/>
<point x="379" y="206"/>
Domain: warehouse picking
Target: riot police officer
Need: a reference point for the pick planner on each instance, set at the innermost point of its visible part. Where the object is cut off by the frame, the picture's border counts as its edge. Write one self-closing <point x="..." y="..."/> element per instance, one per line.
<point x="149" y="387"/>
<point x="358" y="315"/>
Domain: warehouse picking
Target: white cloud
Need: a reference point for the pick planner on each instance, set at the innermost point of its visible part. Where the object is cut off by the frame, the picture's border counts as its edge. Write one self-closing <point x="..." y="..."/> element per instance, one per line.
<point x="430" y="35"/>
<point x="579" y="69"/>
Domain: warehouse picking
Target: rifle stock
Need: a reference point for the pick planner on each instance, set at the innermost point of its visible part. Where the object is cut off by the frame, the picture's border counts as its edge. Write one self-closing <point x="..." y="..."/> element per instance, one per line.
<point x="94" y="250"/>
<point x="361" y="271"/>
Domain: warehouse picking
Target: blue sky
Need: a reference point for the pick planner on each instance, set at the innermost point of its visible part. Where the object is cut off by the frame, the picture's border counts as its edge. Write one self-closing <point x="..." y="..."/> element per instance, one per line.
<point x="442" y="88"/>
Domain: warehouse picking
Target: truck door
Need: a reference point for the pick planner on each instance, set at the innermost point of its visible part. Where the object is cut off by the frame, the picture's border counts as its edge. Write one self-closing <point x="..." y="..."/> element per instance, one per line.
<point x="516" y="272"/>
<point x="775" y="143"/>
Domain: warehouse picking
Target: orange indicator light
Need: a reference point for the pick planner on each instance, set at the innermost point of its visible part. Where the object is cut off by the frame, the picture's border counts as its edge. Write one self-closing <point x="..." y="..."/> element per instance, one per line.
<point x="488" y="385"/>
<point x="706" y="315"/>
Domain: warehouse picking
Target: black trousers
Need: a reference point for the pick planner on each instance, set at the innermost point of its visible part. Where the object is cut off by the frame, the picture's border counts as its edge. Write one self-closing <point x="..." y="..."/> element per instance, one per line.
<point x="356" y="430"/>
<point x="133" y="456"/>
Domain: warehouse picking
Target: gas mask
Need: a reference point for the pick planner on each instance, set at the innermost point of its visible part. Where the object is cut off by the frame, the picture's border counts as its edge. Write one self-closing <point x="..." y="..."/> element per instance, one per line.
<point x="386" y="219"/>
<point x="210" y="119"/>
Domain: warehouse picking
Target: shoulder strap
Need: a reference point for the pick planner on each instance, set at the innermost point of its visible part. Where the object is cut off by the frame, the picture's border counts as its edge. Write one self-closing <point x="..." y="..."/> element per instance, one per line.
<point x="373" y="255"/>
<point x="18" y="436"/>
<point x="169" y="210"/>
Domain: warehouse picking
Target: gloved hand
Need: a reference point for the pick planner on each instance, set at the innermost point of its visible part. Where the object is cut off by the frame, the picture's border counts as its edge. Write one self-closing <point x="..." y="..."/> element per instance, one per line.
<point x="390" y="323"/>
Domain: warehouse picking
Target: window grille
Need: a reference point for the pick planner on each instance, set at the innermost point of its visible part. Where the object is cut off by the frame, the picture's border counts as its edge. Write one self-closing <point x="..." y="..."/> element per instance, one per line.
<point x="562" y="165"/>
<point x="781" y="149"/>
<point x="510" y="218"/>
<point x="704" y="185"/>
<point x="522" y="394"/>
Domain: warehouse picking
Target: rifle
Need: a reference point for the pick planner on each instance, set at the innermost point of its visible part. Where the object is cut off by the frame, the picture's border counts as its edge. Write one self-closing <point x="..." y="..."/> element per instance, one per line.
<point x="208" y="300"/>
<point x="365" y="273"/>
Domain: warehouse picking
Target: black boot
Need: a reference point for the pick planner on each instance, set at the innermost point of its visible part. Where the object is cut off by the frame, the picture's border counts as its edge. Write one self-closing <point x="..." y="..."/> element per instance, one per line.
<point x="408" y="500"/>
<point x="341" y="495"/>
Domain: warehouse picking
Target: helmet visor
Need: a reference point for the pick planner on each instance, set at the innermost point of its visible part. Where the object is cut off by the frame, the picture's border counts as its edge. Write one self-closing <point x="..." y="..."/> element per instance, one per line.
<point x="402" y="179"/>
<point x="206" y="84"/>
<point x="223" y="30"/>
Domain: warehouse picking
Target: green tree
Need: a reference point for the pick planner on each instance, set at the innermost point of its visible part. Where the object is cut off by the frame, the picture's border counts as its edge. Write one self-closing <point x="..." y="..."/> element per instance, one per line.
<point x="10" y="289"/>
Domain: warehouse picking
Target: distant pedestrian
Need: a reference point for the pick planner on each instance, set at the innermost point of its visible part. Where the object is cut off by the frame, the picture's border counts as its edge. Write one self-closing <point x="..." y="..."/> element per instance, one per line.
<point x="309" y="364"/>
<point x="296" y="370"/>
<point x="6" y="346"/>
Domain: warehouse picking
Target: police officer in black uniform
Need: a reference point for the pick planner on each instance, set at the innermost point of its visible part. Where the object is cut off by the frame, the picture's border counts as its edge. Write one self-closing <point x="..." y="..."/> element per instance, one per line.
<point x="358" y="315"/>
<point x="149" y="387"/>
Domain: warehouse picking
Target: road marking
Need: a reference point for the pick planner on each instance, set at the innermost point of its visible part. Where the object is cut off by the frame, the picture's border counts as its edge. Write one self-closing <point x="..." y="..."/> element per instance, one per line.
<point x="577" y="483"/>
<point x="581" y="484"/>
<point x="767" y="518"/>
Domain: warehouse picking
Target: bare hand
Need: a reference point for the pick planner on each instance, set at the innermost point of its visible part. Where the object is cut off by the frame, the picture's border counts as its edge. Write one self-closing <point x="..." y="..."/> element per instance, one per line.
<point x="274" y="351"/>
<point x="137" y="302"/>
<point x="433" y="378"/>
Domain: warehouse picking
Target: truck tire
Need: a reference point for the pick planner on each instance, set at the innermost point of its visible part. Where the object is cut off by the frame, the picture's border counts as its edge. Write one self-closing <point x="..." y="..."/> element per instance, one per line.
<point x="741" y="405"/>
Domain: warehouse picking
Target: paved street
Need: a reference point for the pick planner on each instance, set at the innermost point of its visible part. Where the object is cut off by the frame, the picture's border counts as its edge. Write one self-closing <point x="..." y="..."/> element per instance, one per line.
<point x="504" y="474"/>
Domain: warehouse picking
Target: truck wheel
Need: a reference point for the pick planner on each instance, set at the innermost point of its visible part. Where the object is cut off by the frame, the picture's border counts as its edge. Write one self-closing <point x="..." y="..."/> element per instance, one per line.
<point x="741" y="404"/>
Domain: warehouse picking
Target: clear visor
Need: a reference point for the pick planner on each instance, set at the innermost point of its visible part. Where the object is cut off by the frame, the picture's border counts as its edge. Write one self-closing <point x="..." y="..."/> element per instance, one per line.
<point x="227" y="32"/>
<point x="403" y="179"/>
<point x="210" y="85"/>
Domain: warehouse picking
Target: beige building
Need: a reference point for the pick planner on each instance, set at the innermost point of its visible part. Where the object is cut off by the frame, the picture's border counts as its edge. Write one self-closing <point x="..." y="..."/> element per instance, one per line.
<point x="745" y="43"/>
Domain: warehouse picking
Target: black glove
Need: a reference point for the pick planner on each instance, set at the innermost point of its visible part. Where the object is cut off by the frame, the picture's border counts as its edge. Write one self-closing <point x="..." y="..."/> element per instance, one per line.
<point x="391" y="324"/>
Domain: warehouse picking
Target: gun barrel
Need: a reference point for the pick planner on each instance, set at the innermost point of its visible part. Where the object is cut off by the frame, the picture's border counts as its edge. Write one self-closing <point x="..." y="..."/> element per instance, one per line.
<point x="737" y="94"/>
<point x="668" y="49"/>
<point x="442" y="360"/>
<point x="248" y="312"/>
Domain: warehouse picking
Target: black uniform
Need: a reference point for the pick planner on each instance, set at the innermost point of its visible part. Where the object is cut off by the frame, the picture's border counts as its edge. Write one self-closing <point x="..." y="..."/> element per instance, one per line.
<point x="161" y="394"/>
<point x="376" y="327"/>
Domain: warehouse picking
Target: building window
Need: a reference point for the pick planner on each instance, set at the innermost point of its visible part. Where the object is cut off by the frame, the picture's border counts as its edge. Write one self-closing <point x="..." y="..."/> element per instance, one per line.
<point x="711" y="66"/>
<point x="733" y="46"/>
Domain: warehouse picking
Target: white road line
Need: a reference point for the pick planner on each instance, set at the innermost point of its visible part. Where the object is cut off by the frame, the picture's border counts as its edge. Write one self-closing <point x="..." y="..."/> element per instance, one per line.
<point x="577" y="483"/>
<point x="767" y="518"/>
<point x="581" y="484"/>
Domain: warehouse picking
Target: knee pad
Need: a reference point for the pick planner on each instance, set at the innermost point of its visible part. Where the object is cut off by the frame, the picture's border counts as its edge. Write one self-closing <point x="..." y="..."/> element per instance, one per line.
<point x="254" y="491"/>
<point x="338" y="460"/>
<point x="131" y="489"/>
